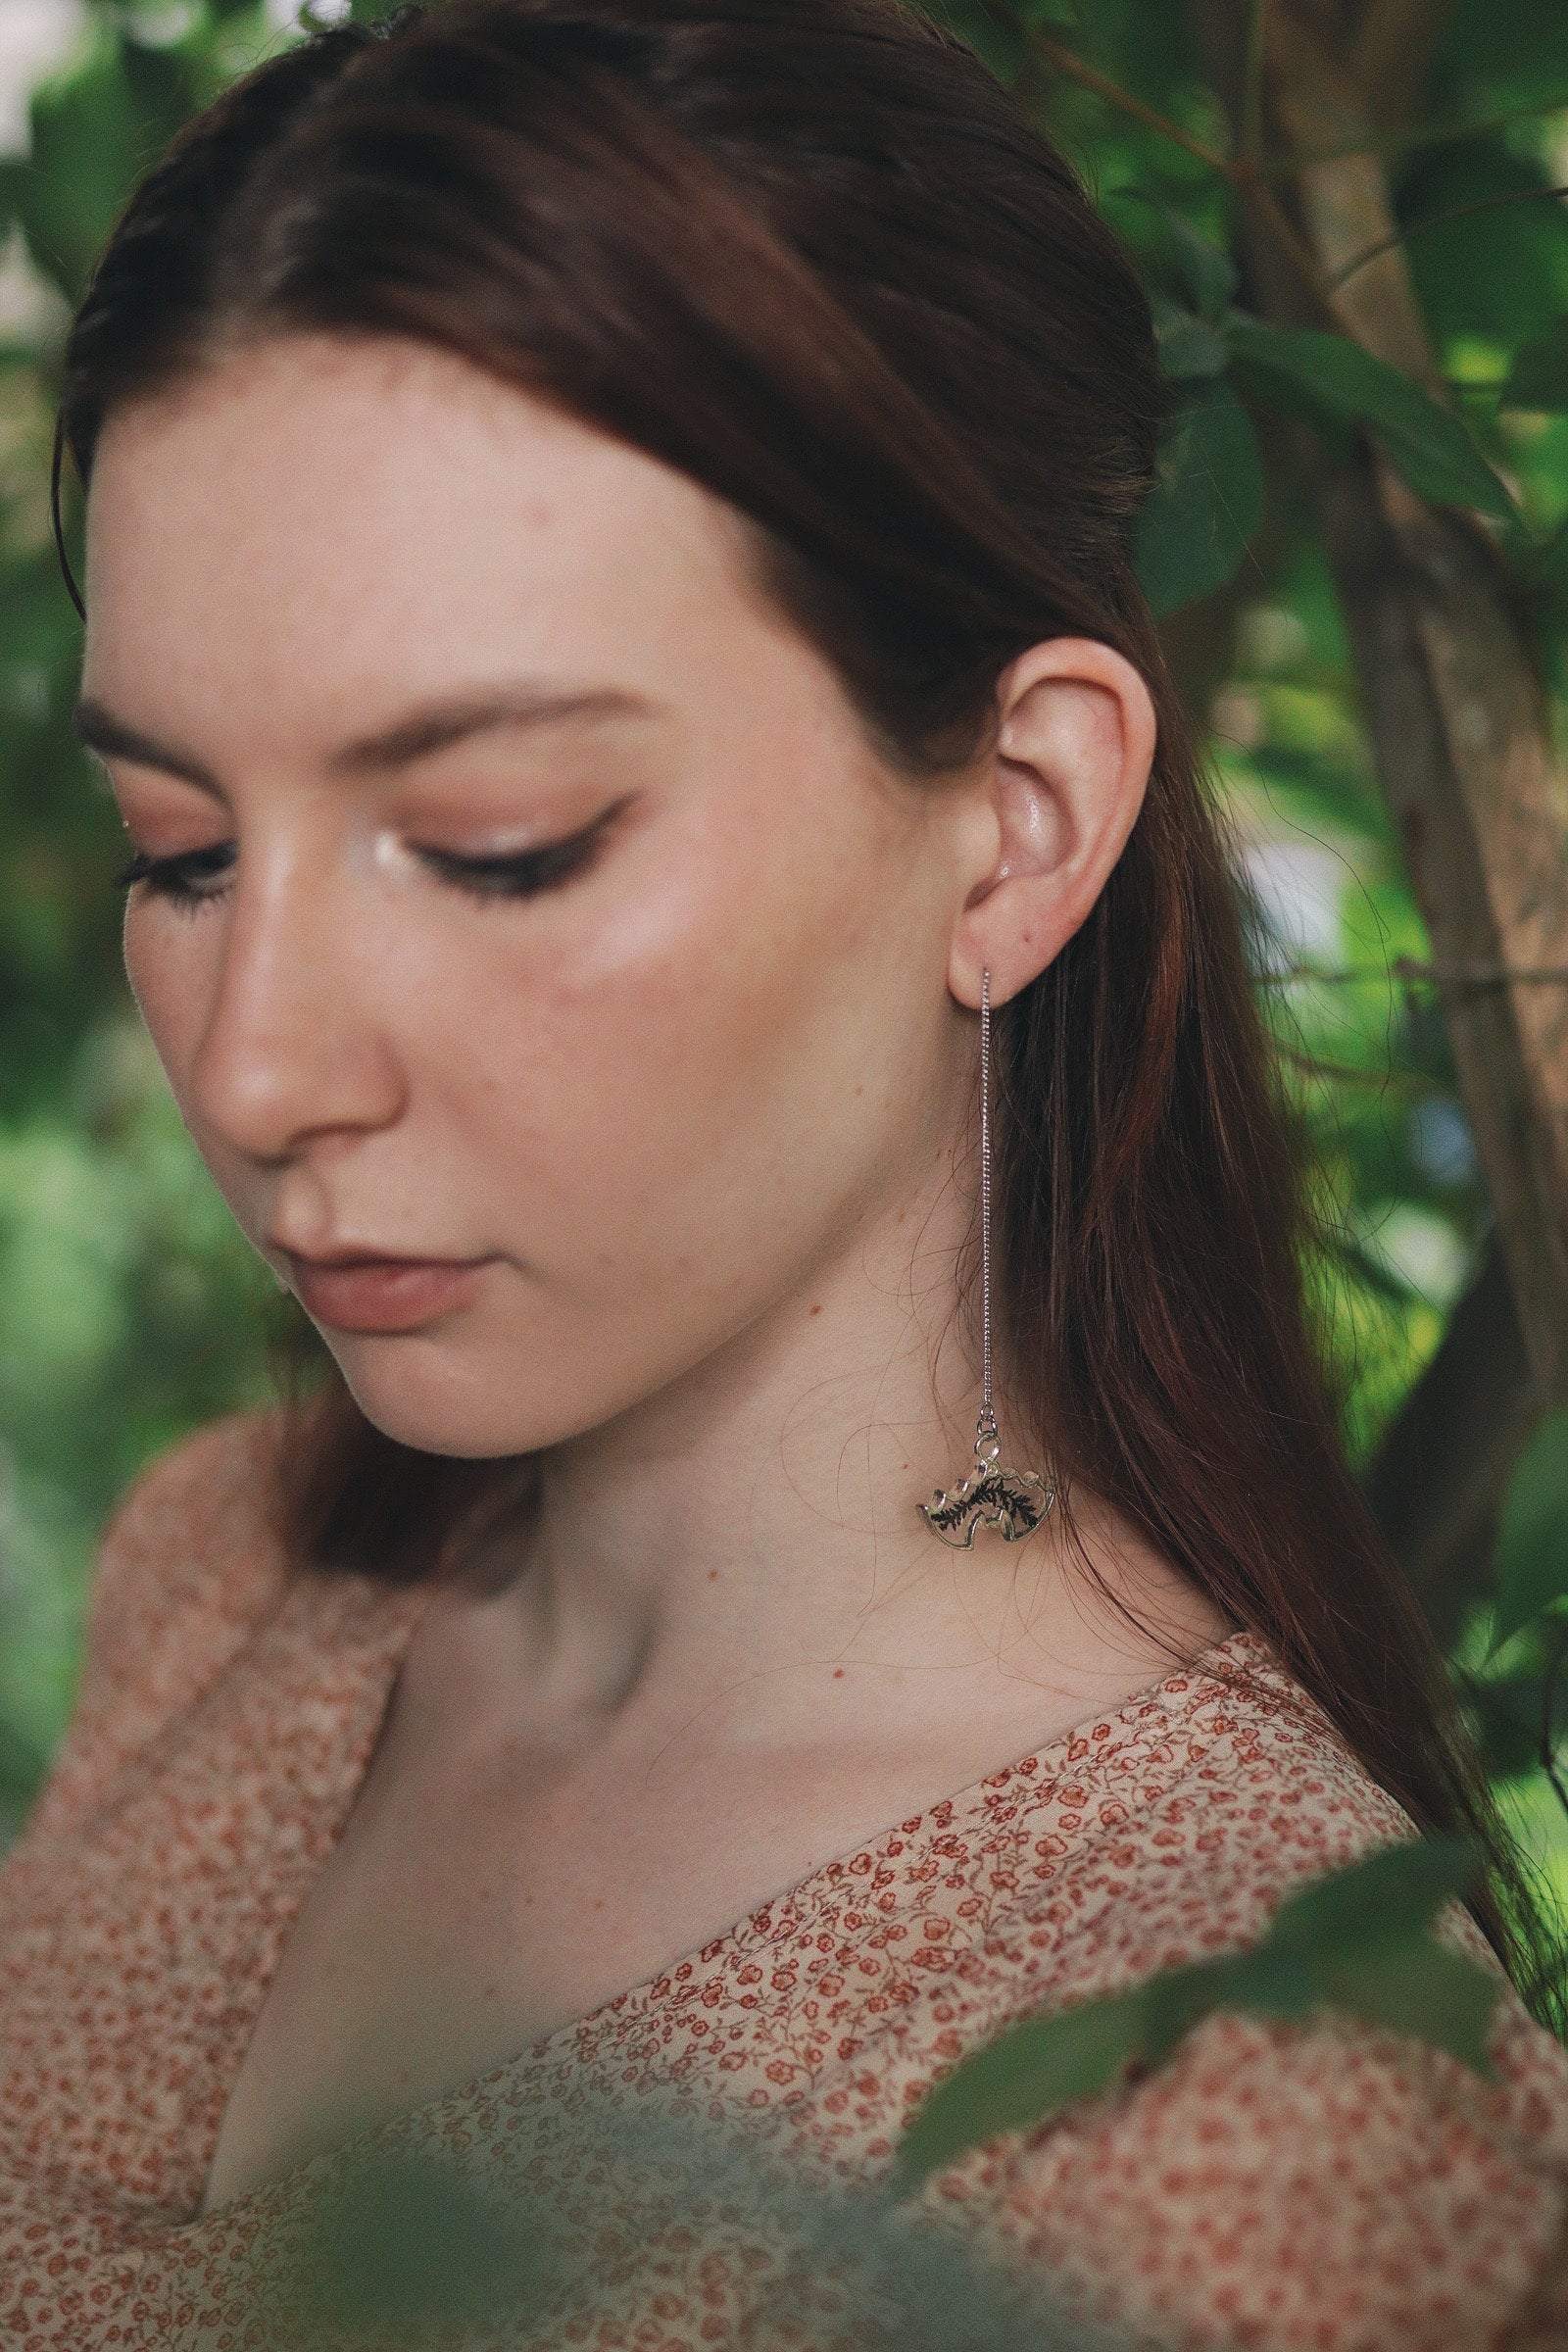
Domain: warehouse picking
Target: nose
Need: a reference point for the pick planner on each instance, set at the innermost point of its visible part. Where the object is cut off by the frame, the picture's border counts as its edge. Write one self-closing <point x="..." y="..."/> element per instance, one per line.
<point x="296" y="1046"/>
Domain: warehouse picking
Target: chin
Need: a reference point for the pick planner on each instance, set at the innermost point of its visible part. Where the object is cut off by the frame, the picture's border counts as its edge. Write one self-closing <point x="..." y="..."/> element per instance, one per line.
<point x="418" y="1394"/>
<point x="486" y="1396"/>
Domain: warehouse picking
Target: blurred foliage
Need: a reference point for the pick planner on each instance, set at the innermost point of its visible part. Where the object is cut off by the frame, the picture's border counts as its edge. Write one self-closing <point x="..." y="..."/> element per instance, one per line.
<point x="397" y="2248"/>
<point x="1357" y="1944"/>
<point x="127" y="1314"/>
<point x="388" y="2243"/>
<point x="129" y="1308"/>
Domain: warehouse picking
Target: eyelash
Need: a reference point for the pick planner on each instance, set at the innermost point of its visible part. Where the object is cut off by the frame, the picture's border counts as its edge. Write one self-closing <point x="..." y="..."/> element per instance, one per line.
<point x="172" y="877"/>
<point x="524" y="874"/>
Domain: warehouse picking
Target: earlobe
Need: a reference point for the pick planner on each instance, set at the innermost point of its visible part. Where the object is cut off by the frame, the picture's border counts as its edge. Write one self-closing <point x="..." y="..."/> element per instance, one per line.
<point x="1074" y="746"/>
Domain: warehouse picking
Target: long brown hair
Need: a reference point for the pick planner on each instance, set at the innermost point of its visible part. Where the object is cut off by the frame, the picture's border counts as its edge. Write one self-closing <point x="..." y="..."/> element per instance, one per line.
<point x="808" y="251"/>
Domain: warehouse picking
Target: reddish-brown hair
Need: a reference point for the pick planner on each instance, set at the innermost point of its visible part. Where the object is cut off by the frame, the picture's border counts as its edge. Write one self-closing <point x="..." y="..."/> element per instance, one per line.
<point x="808" y="251"/>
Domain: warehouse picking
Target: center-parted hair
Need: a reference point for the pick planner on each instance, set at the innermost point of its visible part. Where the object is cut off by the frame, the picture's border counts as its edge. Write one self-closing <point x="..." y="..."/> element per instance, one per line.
<point x="809" y="253"/>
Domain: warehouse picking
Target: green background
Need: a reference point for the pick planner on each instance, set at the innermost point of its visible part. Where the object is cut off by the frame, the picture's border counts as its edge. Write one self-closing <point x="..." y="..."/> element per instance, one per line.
<point x="130" y="1309"/>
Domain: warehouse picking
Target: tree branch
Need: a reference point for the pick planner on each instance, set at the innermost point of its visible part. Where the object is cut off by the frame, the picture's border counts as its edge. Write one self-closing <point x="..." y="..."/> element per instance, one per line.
<point x="1072" y="68"/>
<point x="1443" y="1469"/>
<point x="1242" y="170"/>
<point x="1417" y="229"/>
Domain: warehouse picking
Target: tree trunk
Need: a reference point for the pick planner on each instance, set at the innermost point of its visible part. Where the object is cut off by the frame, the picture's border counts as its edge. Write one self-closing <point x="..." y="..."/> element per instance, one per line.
<point x="1460" y="735"/>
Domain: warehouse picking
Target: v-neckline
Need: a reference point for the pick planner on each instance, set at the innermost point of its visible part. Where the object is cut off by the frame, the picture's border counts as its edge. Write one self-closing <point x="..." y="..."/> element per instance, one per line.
<point x="788" y="1911"/>
<point x="1039" y="1769"/>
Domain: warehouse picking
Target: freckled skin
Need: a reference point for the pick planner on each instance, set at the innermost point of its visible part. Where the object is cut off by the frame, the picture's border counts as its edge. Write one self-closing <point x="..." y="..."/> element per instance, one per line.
<point x="703" y="1109"/>
<point x="645" y="1107"/>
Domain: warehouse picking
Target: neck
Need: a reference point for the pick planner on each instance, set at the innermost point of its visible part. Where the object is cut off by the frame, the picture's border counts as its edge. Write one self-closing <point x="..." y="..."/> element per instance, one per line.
<point x="744" y="1546"/>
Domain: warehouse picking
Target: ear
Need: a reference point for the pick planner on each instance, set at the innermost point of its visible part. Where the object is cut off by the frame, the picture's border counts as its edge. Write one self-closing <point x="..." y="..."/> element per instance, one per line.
<point x="1075" y="742"/>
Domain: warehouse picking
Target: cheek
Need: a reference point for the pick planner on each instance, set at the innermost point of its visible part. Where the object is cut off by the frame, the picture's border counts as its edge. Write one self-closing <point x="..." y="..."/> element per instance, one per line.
<point x="679" y="1098"/>
<point x="601" y="1063"/>
<point x="172" y="964"/>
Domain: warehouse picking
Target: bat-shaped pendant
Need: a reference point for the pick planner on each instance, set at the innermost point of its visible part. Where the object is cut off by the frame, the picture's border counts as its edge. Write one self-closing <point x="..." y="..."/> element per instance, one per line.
<point x="1014" y="1502"/>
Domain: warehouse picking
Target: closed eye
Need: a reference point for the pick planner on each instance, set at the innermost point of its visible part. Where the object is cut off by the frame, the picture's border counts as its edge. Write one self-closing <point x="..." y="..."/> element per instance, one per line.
<point x="185" y="879"/>
<point x="180" y="878"/>
<point x="524" y="873"/>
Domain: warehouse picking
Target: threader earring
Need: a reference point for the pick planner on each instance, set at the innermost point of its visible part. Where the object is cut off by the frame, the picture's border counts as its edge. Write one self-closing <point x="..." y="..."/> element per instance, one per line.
<point x="1012" y="1501"/>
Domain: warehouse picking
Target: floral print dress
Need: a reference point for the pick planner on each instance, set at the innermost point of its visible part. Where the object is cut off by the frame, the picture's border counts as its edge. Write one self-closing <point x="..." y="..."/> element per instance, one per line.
<point x="1318" y="2189"/>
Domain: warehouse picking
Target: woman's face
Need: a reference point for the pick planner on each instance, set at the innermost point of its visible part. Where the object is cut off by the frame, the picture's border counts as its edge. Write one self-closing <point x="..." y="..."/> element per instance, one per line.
<point x="525" y="892"/>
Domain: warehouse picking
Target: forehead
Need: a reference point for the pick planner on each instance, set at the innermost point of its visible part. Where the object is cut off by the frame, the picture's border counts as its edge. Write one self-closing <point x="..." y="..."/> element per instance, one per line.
<point x="309" y="524"/>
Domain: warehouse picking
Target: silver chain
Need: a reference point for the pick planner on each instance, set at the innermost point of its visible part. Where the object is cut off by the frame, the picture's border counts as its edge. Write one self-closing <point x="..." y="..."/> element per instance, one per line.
<point x="1014" y="1501"/>
<point x="988" y="1418"/>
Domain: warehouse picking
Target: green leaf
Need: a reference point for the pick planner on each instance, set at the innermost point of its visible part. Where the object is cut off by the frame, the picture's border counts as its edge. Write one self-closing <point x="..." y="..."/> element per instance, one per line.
<point x="1532" y="1536"/>
<point x="1508" y="1710"/>
<point x="96" y="126"/>
<point x="1021" y="2079"/>
<point x="1178" y="257"/>
<point x="408" y="2238"/>
<point x="1265" y="1981"/>
<point x="1189" y="346"/>
<point x="1396" y="1891"/>
<point x="1206" y="503"/>
<point x="1180" y="1999"/>
<point x="1358" y="1942"/>
<point x="1310" y="374"/>
<point x="1539" y="377"/>
<point x="1204" y="268"/>
<point x="1412" y="1984"/>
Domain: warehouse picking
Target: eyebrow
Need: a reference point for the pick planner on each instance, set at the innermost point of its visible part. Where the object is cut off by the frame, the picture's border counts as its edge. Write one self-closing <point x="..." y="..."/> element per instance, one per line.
<point x="427" y="728"/>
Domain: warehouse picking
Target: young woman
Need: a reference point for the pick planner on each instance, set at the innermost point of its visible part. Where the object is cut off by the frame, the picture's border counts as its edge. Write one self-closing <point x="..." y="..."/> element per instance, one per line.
<point x="611" y="627"/>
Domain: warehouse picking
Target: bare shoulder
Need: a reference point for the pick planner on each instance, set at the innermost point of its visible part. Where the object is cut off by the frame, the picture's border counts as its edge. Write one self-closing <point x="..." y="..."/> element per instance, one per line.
<point x="190" y="1562"/>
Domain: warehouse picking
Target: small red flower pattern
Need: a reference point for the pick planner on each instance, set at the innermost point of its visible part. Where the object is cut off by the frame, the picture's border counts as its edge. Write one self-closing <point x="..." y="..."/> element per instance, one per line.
<point x="1319" y="2188"/>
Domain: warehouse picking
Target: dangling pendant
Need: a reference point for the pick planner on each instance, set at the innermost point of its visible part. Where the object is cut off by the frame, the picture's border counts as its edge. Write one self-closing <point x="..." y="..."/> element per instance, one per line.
<point x="1014" y="1502"/>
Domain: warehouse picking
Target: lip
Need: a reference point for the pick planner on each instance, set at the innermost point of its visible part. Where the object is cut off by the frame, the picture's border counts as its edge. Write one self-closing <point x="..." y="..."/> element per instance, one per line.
<point x="356" y="1292"/>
